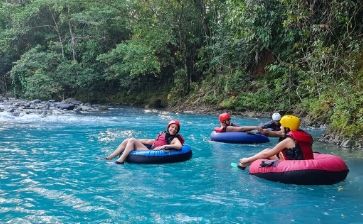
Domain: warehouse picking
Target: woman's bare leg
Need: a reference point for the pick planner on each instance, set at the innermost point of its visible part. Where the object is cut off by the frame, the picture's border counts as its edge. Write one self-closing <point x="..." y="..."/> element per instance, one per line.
<point x="244" y="165"/>
<point x="131" y="145"/>
<point x="119" y="149"/>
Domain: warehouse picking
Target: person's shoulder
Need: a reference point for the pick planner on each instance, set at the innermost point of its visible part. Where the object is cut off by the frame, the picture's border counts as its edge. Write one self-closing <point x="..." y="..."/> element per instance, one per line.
<point x="289" y="141"/>
<point x="267" y="124"/>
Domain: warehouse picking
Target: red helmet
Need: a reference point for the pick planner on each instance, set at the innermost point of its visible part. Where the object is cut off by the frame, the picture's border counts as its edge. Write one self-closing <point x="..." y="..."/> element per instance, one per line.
<point x="223" y="117"/>
<point x="173" y="122"/>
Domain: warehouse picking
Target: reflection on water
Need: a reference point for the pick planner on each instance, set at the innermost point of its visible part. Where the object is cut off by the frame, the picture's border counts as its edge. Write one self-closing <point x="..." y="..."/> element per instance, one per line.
<point x="49" y="174"/>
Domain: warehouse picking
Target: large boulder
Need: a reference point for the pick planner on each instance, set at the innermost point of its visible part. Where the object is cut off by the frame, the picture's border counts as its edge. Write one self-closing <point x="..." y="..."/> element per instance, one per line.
<point x="65" y="106"/>
<point x="72" y="101"/>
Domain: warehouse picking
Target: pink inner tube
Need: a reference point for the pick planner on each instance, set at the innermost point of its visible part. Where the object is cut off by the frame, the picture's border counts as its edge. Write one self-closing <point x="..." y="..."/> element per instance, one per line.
<point x="324" y="169"/>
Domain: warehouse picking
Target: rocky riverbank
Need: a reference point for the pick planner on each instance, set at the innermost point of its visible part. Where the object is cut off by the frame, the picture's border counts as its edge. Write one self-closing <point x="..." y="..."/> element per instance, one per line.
<point x="20" y="107"/>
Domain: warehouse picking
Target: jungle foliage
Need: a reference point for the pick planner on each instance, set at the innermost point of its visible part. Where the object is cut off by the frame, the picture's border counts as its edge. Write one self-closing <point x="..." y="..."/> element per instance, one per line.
<point x="293" y="56"/>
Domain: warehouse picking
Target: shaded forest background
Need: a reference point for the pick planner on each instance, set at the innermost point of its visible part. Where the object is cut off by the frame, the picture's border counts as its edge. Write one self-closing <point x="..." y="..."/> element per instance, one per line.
<point x="302" y="57"/>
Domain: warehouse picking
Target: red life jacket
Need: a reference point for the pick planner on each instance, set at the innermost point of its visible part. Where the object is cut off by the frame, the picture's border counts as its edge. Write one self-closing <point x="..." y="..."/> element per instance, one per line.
<point x="304" y="141"/>
<point x="161" y="140"/>
<point x="223" y="129"/>
<point x="219" y="129"/>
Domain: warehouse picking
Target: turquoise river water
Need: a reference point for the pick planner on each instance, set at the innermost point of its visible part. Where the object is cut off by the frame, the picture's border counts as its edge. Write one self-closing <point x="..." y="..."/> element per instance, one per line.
<point x="49" y="173"/>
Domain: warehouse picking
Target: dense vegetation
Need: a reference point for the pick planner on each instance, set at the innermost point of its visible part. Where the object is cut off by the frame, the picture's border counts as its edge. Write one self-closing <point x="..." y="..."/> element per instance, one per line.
<point x="260" y="55"/>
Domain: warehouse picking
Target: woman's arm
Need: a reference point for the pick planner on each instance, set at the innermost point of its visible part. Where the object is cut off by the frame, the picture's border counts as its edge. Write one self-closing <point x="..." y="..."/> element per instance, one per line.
<point x="174" y="144"/>
<point x="242" y="129"/>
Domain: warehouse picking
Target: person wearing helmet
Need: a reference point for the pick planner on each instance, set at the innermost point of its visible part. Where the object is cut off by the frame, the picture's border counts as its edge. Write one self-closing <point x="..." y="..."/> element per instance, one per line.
<point x="296" y="146"/>
<point x="169" y="139"/>
<point x="273" y="127"/>
<point x="226" y="125"/>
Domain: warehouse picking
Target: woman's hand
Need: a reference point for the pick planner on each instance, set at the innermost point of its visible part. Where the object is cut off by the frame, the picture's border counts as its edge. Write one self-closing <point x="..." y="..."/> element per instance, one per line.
<point x="159" y="148"/>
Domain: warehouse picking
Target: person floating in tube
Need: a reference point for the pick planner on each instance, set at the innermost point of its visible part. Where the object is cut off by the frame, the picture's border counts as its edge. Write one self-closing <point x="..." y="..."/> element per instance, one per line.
<point x="273" y="127"/>
<point x="297" y="145"/>
<point x="169" y="139"/>
<point x="226" y="125"/>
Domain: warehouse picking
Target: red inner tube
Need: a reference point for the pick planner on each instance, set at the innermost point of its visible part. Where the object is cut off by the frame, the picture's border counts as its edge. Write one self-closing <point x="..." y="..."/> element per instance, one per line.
<point x="323" y="169"/>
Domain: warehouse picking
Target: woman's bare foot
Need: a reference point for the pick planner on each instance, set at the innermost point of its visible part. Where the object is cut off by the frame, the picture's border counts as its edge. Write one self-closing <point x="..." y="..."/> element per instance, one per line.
<point x="240" y="166"/>
<point x="243" y="163"/>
